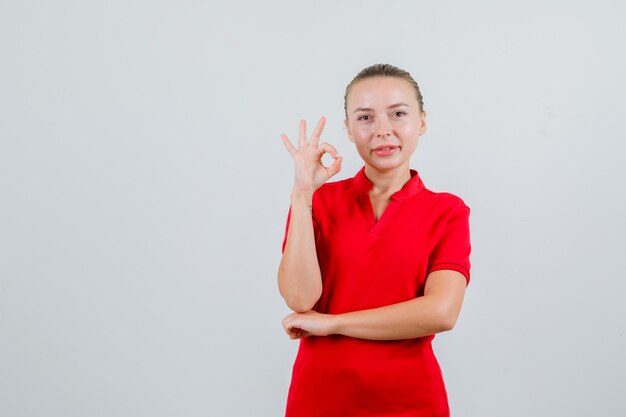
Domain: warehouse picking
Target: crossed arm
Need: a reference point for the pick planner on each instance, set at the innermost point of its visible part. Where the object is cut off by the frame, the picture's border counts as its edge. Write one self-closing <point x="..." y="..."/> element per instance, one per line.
<point x="300" y="284"/>
<point x="434" y="312"/>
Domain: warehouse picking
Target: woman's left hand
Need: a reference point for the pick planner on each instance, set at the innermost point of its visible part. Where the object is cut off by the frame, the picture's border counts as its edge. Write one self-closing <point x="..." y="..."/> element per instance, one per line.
<point x="311" y="323"/>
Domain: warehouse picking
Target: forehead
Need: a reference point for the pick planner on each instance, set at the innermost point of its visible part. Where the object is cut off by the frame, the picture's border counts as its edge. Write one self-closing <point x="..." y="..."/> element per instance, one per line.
<point x="381" y="91"/>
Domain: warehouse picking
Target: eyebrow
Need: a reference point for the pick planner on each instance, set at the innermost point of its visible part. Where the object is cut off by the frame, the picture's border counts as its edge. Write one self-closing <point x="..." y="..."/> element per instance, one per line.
<point x="393" y="106"/>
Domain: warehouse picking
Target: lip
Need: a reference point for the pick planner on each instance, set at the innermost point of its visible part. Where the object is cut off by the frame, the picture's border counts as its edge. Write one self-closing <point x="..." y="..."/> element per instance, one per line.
<point x="385" y="150"/>
<point x="378" y="148"/>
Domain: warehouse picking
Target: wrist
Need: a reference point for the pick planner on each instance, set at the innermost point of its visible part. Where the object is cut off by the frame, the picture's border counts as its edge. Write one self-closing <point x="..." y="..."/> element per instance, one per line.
<point x="336" y="323"/>
<point x="300" y="196"/>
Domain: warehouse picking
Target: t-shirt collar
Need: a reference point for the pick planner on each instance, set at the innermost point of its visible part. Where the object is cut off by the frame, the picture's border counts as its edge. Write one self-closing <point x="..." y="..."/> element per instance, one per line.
<point x="409" y="189"/>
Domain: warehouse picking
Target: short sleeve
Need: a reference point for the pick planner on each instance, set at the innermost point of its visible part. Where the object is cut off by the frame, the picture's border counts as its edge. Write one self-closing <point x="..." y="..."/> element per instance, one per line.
<point x="452" y="250"/>
<point x="315" y="228"/>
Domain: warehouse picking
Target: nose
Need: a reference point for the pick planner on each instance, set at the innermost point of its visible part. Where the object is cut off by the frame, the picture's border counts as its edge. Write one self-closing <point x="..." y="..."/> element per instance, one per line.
<point x="383" y="127"/>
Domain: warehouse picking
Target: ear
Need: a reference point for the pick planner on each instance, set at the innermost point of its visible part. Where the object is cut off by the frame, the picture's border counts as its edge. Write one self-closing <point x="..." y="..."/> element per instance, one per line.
<point x="348" y="130"/>
<point x="422" y="128"/>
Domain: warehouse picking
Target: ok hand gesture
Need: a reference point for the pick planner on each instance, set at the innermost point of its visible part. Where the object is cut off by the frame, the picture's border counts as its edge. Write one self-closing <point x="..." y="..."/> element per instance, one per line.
<point x="310" y="172"/>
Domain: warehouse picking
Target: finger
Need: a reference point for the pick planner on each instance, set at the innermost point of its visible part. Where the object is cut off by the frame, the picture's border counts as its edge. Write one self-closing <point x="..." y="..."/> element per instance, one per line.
<point x="290" y="330"/>
<point x="293" y="324"/>
<point x="336" y="166"/>
<point x="290" y="333"/>
<point x="286" y="322"/>
<point x="290" y="148"/>
<point x="302" y="134"/>
<point x="294" y="332"/>
<point x="315" y="139"/>
<point x="290" y="323"/>
<point x="289" y="318"/>
<point x="327" y="147"/>
<point x="298" y="334"/>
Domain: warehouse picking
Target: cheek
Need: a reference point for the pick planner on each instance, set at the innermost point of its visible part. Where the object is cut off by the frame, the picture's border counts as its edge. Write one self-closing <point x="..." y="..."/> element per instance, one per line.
<point x="362" y="131"/>
<point x="411" y="129"/>
<point x="361" y="140"/>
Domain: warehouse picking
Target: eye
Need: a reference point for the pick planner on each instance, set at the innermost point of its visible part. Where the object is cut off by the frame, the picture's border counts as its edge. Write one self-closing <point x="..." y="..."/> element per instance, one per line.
<point x="364" y="117"/>
<point x="399" y="113"/>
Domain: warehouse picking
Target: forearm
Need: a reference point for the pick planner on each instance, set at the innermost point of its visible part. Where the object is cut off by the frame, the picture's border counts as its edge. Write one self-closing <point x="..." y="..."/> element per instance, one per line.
<point x="299" y="276"/>
<point x="422" y="316"/>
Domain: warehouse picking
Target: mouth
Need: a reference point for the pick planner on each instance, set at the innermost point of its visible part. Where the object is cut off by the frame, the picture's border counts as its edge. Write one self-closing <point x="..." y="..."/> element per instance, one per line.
<point x="385" y="147"/>
<point x="385" y="150"/>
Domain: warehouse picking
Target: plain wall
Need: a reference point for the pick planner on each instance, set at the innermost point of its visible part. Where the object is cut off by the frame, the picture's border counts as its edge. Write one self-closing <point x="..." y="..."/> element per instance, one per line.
<point x="144" y="191"/>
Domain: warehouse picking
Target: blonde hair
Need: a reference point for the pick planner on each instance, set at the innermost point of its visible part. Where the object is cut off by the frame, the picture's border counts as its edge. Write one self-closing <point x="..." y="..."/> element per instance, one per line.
<point x="383" y="70"/>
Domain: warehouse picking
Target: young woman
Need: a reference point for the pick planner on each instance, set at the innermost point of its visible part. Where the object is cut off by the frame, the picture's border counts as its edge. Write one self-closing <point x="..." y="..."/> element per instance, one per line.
<point x="373" y="266"/>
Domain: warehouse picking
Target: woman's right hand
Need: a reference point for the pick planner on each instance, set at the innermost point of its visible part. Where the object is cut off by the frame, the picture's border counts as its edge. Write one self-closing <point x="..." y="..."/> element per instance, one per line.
<point x="310" y="172"/>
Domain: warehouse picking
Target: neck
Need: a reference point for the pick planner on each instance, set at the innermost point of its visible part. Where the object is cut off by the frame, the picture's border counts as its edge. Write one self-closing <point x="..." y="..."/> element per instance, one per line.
<point x="387" y="182"/>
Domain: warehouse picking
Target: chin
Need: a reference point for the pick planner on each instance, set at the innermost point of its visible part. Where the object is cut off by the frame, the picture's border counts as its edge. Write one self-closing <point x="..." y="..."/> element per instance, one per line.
<point x="385" y="166"/>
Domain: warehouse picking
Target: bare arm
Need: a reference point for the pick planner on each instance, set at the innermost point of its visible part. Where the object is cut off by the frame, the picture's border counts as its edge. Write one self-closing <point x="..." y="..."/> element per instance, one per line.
<point x="299" y="276"/>
<point x="434" y="312"/>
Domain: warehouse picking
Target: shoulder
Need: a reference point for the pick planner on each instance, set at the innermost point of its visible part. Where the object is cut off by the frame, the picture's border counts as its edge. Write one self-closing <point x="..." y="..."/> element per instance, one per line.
<point x="445" y="202"/>
<point x="451" y="200"/>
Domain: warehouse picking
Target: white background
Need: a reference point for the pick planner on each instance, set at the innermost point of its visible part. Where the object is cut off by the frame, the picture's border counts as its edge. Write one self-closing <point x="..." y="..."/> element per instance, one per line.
<point x="144" y="190"/>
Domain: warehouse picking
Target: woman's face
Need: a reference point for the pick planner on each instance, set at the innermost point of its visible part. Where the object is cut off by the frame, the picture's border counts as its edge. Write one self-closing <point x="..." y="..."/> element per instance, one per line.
<point x="384" y="122"/>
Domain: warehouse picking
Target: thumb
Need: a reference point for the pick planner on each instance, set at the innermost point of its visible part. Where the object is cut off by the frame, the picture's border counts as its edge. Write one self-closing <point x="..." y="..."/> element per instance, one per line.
<point x="335" y="167"/>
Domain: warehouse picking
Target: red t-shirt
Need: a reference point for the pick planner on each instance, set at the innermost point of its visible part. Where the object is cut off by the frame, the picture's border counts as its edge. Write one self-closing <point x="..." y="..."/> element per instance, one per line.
<point x="367" y="264"/>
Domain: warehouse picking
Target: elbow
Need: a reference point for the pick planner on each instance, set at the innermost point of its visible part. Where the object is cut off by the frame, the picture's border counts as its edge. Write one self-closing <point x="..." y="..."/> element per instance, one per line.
<point x="301" y="301"/>
<point x="299" y="307"/>
<point x="300" y="304"/>
<point x="299" y="296"/>
<point x="447" y="324"/>
<point x="447" y="320"/>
